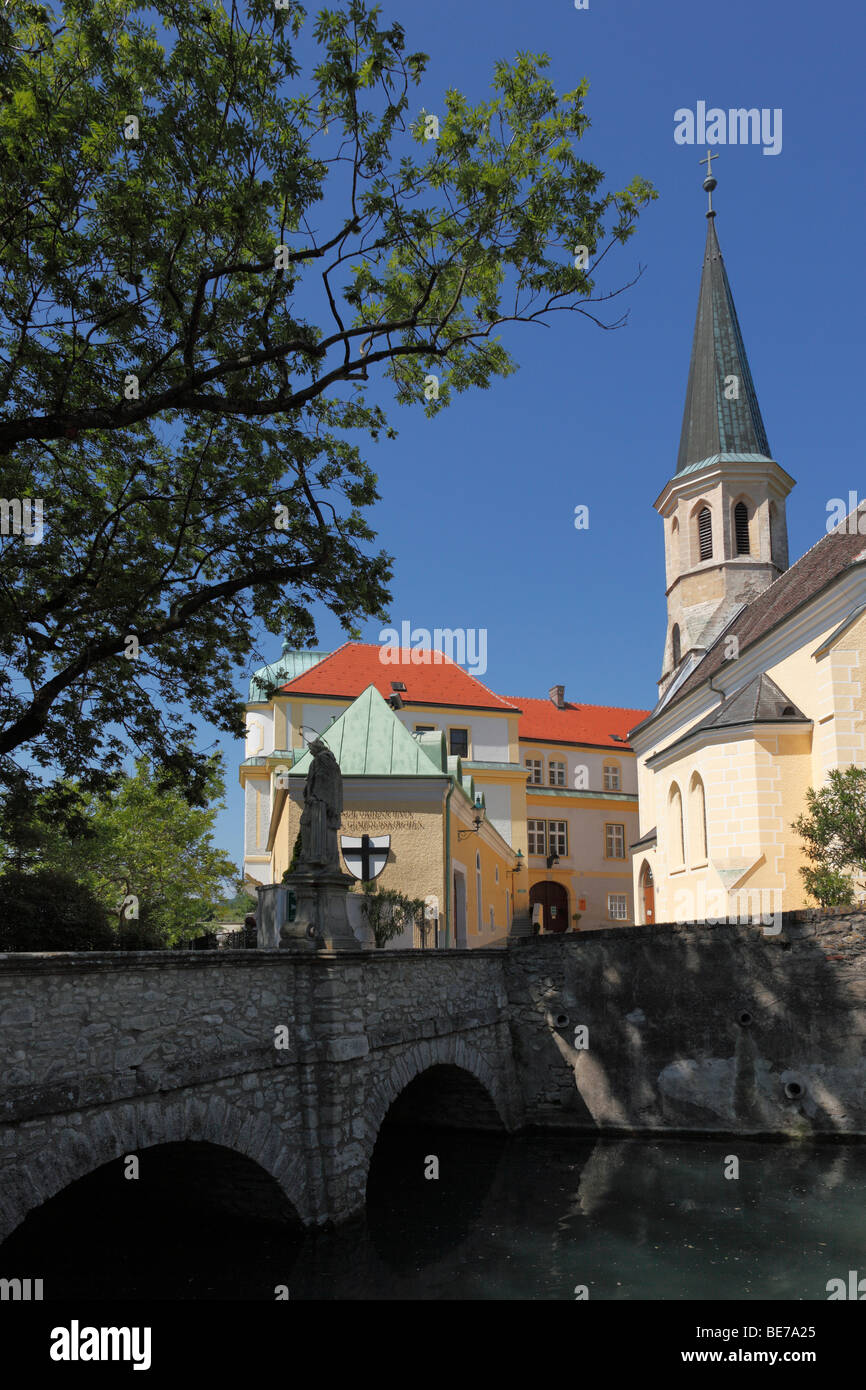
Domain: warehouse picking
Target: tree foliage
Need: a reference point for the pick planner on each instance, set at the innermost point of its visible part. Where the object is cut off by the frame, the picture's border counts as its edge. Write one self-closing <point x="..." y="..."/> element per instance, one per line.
<point x="209" y="250"/>
<point x="45" y="910"/>
<point x="142" y="852"/>
<point x="834" y="831"/>
<point x="388" y="912"/>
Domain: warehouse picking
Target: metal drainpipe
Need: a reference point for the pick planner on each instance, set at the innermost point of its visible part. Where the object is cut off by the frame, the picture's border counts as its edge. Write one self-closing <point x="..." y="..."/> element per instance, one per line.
<point x="448" y="863"/>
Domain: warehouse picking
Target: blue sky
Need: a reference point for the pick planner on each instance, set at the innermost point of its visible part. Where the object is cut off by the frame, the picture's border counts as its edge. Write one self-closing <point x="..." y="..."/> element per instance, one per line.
<point x="594" y="417"/>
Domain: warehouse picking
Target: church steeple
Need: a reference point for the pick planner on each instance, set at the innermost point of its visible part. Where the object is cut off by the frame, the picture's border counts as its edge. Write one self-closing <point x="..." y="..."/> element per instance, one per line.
<point x="722" y="415"/>
<point x="724" y="508"/>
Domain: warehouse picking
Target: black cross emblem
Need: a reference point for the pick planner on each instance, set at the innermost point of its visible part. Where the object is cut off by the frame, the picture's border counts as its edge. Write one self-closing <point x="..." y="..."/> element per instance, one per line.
<point x="366" y="851"/>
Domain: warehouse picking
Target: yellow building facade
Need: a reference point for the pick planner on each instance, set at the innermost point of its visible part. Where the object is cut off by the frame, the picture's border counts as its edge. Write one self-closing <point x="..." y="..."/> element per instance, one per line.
<point x="449" y="771"/>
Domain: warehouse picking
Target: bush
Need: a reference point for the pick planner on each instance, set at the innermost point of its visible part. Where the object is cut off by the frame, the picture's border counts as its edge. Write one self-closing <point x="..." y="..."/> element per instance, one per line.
<point x="389" y="913"/>
<point x="46" y="911"/>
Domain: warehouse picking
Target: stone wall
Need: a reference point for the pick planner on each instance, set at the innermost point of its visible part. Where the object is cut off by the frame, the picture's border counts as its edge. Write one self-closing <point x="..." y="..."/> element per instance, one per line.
<point x="702" y="1029"/>
<point x="109" y="1054"/>
<point x="691" y="1029"/>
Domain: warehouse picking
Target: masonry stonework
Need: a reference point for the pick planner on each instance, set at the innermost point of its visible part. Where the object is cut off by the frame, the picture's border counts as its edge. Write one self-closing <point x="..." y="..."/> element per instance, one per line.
<point x="690" y="1029"/>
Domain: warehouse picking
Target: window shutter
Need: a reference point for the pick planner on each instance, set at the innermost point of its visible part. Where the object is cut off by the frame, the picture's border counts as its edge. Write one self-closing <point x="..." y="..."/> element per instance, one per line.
<point x="705" y="533"/>
<point x="741" y="528"/>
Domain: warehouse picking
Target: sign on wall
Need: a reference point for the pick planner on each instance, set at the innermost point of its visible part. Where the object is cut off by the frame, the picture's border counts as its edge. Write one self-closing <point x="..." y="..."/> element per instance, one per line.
<point x="365" y="856"/>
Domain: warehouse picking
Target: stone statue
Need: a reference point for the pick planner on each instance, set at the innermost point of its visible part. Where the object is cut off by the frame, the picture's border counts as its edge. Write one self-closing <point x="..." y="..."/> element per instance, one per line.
<point x="323" y="807"/>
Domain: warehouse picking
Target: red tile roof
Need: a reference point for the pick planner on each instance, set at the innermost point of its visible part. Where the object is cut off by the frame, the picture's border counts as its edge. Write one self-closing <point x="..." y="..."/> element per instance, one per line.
<point x="590" y="724"/>
<point x="438" y="681"/>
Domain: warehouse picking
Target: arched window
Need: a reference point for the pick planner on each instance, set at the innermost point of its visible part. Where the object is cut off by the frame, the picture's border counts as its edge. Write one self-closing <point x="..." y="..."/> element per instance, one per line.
<point x="647" y="899"/>
<point x="741" y="528"/>
<point x="705" y="533"/>
<point x="675" y="643"/>
<point x="675" y="827"/>
<point x="478" y="890"/>
<point x="698" y="819"/>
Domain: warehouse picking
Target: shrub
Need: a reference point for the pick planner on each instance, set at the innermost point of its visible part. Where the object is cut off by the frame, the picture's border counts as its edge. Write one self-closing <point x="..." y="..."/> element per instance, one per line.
<point x="43" y="910"/>
<point x="389" y="912"/>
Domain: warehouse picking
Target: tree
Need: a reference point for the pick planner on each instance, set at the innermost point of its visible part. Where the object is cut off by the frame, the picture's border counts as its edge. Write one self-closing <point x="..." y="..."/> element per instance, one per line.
<point x="50" y="911"/>
<point x="388" y="912"/>
<point x="834" y="830"/>
<point x="146" y="855"/>
<point x="205" y="257"/>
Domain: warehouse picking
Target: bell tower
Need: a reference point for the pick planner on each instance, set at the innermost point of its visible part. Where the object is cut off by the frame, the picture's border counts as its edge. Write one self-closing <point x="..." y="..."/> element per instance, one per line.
<point x="726" y="536"/>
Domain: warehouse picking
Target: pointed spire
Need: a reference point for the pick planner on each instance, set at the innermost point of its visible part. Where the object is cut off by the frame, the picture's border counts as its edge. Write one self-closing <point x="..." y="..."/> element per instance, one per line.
<point x="722" y="415"/>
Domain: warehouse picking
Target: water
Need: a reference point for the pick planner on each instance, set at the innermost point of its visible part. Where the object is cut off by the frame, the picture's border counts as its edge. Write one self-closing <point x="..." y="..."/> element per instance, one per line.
<point x="531" y="1217"/>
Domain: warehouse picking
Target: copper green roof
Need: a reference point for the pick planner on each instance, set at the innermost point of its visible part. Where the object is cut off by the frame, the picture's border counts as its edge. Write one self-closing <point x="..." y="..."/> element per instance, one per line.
<point x="368" y="740"/>
<point x="290" y="664"/>
<point x="715" y="428"/>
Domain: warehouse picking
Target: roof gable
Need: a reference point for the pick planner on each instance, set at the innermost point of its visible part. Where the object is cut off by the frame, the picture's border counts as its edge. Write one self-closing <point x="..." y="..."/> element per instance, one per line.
<point x="368" y="740"/>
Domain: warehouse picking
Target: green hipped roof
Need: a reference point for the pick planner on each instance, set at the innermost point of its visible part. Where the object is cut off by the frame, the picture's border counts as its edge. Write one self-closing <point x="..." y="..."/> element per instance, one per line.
<point x="368" y="739"/>
<point x="292" y="663"/>
<point x="712" y="425"/>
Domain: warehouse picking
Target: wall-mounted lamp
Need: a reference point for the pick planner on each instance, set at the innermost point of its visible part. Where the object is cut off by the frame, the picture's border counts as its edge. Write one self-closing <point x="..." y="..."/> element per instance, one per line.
<point x="476" y="822"/>
<point x="520" y="862"/>
<point x="551" y="860"/>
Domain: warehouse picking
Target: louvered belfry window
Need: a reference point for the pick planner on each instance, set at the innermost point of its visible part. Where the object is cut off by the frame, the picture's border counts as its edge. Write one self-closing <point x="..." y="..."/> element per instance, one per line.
<point x="741" y="528"/>
<point x="705" y="533"/>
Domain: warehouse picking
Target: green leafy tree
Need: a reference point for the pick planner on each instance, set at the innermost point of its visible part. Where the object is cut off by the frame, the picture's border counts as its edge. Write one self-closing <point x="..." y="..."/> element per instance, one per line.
<point x="146" y="855"/>
<point x="207" y="254"/>
<point x="388" y="912"/>
<point x="834" y="831"/>
<point x="46" y="910"/>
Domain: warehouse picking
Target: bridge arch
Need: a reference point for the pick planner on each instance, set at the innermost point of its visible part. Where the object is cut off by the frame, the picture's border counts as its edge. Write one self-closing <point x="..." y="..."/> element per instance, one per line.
<point x="414" y="1062"/>
<point x="79" y="1143"/>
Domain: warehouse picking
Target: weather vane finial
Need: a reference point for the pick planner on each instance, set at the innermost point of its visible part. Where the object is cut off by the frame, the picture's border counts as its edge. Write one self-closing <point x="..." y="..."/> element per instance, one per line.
<point x="709" y="182"/>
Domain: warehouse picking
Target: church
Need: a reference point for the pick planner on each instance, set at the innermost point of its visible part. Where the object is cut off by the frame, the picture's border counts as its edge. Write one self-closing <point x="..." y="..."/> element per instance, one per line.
<point x="763" y="682"/>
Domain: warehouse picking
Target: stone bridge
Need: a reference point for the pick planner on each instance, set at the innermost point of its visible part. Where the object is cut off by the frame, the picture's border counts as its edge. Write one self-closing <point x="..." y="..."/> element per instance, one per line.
<point x="294" y="1061"/>
<point x="291" y="1060"/>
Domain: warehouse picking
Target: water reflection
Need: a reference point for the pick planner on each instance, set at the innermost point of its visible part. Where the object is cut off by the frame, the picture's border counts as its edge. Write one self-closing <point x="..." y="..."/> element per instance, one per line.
<point x="522" y="1218"/>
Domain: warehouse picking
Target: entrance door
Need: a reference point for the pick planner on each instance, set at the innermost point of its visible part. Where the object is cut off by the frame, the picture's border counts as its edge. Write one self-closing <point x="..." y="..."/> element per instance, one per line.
<point x="649" y="895"/>
<point x="554" y="905"/>
<point x="459" y="909"/>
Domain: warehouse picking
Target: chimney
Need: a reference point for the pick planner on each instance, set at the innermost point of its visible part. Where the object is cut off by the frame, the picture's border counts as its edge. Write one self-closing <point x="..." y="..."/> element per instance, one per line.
<point x="557" y="695"/>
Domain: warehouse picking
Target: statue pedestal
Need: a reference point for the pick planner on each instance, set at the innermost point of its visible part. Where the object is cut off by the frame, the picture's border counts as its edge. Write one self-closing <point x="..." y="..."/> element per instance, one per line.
<point x="322" y="918"/>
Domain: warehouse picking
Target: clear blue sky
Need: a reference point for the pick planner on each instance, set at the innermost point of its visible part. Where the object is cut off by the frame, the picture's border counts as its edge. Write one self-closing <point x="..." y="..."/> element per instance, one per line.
<point x="594" y="417"/>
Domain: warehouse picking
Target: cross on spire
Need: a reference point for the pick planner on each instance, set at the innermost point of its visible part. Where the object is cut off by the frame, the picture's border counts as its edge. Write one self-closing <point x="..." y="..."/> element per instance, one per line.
<point x="710" y="181"/>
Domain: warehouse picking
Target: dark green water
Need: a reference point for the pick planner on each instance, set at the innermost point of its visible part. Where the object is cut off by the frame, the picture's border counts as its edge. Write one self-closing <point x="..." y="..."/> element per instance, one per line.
<point x="523" y="1218"/>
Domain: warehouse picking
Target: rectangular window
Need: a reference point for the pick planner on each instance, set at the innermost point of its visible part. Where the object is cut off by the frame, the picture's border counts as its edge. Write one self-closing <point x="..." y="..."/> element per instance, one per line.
<point x="458" y="742"/>
<point x="425" y="728"/>
<point x="614" y="842"/>
<point x="617" y="906"/>
<point x="535" y="770"/>
<point x="556" y="773"/>
<point x="557" y="836"/>
<point x="537" y="839"/>
<point x="611" y="778"/>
